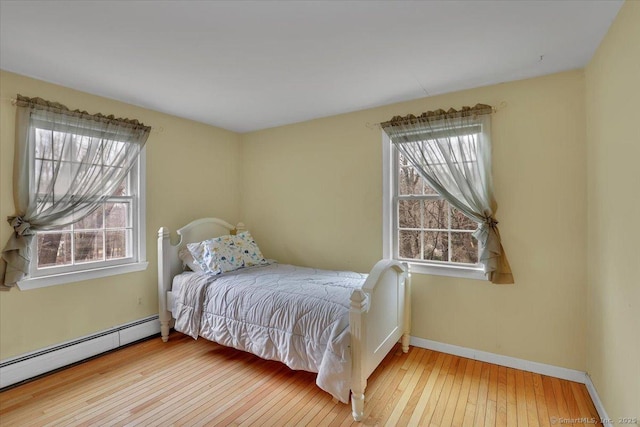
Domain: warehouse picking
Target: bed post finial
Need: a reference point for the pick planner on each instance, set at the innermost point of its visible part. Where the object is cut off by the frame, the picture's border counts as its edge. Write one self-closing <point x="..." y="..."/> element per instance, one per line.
<point x="163" y="232"/>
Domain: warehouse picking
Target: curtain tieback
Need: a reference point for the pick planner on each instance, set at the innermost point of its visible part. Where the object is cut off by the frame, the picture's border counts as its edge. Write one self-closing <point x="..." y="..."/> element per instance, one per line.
<point x="20" y="226"/>
<point x="490" y="222"/>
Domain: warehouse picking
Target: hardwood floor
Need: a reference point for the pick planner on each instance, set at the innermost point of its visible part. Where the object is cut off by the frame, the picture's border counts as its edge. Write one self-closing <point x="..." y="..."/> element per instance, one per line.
<point x="195" y="383"/>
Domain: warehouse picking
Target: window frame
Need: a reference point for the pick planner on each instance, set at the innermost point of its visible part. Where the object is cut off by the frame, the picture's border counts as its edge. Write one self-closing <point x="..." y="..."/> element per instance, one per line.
<point x="51" y="276"/>
<point x="390" y="229"/>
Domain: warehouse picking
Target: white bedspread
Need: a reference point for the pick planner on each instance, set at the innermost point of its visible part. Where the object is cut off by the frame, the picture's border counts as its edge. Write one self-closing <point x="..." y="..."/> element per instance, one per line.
<point x="299" y="316"/>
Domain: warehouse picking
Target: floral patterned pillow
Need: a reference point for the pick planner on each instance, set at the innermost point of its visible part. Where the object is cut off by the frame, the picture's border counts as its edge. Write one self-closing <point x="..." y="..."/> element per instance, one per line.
<point x="248" y="249"/>
<point x="216" y="256"/>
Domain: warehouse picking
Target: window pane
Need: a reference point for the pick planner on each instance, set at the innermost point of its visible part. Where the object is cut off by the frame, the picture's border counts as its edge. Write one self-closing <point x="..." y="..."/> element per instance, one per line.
<point x="54" y="249"/>
<point x="460" y="221"/>
<point x="83" y="150"/>
<point x="123" y="188"/>
<point x="50" y="145"/>
<point x="62" y="146"/>
<point x="436" y="245"/>
<point x="94" y="220"/>
<point x="43" y="144"/>
<point x="43" y="174"/>
<point x="114" y="152"/>
<point x="464" y="247"/>
<point x="467" y="149"/>
<point x="88" y="246"/>
<point x="436" y="214"/>
<point x="111" y="176"/>
<point x="65" y="176"/>
<point x="409" y="215"/>
<point x="428" y="189"/>
<point x="85" y="172"/>
<point x="116" y="244"/>
<point x="409" y="182"/>
<point x="409" y="244"/>
<point x="116" y="215"/>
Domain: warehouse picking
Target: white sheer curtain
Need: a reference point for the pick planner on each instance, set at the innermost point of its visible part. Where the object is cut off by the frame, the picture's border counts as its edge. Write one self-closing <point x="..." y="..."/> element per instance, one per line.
<point x="66" y="164"/>
<point x="452" y="151"/>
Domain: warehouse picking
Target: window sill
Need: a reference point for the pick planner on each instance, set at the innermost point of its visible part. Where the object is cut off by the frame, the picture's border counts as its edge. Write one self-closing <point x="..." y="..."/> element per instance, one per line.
<point x="447" y="270"/>
<point x="77" y="276"/>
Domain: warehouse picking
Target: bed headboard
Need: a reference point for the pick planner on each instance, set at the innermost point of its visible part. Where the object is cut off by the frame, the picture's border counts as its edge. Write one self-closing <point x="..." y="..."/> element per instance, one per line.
<point x="168" y="262"/>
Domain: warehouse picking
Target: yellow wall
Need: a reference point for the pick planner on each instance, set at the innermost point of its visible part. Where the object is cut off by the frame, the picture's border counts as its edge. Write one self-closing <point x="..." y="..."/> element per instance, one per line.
<point x="613" y="138"/>
<point x="312" y="195"/>
<point x="183" y="159"/>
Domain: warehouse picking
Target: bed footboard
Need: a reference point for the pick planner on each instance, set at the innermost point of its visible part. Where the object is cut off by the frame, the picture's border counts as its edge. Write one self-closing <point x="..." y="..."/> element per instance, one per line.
<point x="379" y="318"/>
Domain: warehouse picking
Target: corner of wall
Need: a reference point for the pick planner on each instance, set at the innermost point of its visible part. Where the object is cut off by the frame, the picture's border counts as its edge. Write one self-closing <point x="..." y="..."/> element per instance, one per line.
<point x="613" y="297"/>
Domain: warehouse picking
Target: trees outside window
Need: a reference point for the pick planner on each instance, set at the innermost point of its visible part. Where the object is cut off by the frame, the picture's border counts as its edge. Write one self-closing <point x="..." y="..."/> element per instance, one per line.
<point x="107" y="234"/>
<point x="428" y="228"/>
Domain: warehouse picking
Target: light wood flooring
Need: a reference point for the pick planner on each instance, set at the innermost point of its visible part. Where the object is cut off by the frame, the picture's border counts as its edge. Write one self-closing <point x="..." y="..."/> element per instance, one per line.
<point x="192" y="383"/>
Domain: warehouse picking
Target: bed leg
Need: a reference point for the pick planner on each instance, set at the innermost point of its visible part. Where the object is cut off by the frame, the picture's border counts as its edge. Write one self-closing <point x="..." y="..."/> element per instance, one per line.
<point x="357" y="406"/>
<point x="164" y="330"/>
<point x="405" y="343"/>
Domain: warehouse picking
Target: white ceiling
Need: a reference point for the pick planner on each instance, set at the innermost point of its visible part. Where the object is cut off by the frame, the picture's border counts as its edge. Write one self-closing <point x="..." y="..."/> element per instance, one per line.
<point x="249" y="65"/>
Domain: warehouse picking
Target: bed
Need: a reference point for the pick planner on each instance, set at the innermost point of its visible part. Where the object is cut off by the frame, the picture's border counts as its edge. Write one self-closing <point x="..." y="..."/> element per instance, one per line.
<point x="353" y="320"/>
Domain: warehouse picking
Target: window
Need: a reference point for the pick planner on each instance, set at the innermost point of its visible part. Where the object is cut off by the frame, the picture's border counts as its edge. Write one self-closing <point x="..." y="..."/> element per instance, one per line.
<point x="422" y="228"/>
<point x="108" y="241"/>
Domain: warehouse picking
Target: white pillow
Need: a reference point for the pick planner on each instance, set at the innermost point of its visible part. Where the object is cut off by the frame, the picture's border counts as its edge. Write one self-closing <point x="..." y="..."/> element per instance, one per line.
<point x="188" y="261"/>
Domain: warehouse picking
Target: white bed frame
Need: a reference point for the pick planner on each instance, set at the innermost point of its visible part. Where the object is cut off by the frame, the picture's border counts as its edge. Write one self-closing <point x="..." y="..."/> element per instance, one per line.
<point x="378" y="319"/>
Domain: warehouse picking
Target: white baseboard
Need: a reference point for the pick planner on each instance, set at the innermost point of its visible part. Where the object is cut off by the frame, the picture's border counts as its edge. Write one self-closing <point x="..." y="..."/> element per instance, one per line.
<point x="32" y="364"/>
<point x="596" y="398"/>
<point x="513" y="362"/>
<point x="35" y="363"/>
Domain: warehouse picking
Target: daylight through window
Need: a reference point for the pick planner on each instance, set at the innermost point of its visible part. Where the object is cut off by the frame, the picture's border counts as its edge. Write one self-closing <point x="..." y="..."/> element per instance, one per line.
<point x="421" y="227"/>
<point x="428" y="228"/>
<point x="108" y="234"/>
